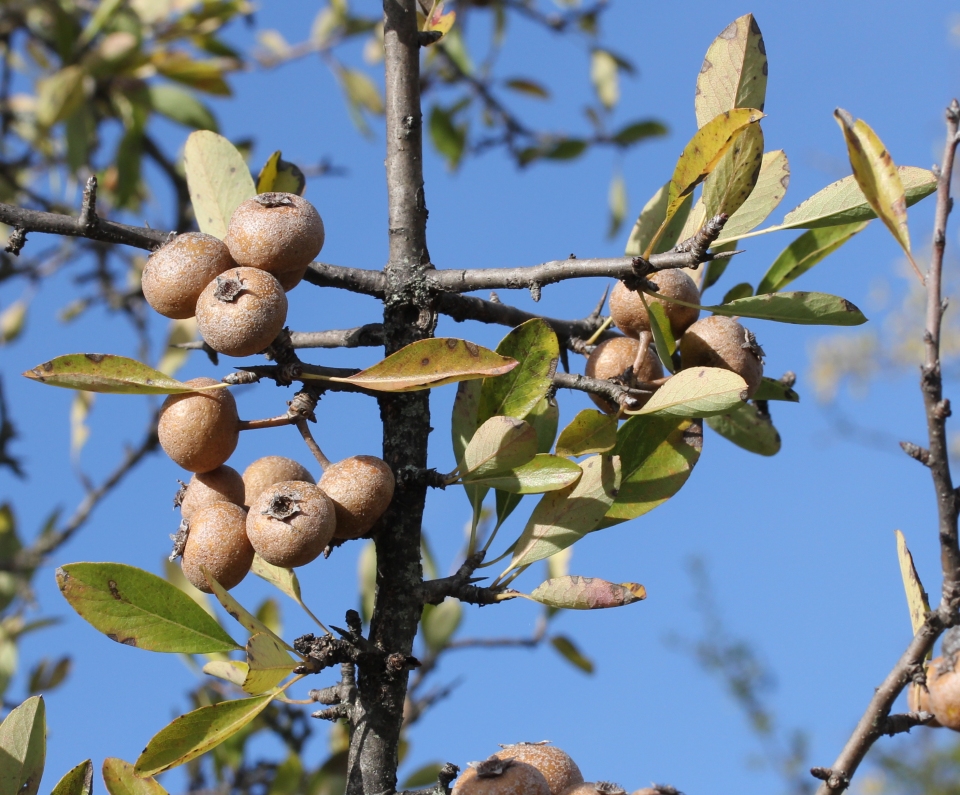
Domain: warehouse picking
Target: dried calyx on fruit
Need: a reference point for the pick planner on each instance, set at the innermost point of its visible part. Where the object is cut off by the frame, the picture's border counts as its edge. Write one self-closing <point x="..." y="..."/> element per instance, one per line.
<point x="269" y="470"/>
<point x="176" y="274"/>
<point x="630" y="315"/>
<point x="222" y="484"/>
<point x="241" y="311"/>
<point x="496" y="776"/>
<point x="277" y="232"/>
<point x="613" y="356"/>
<point x="595" y="788"/>
<point x="557" y="767"/>
<point x="719" y="341"/>
<point x="217" y="541"/>
<point x="291" y="523"/>
<point x="361" y="488"/>
<point x="199" y="430"/>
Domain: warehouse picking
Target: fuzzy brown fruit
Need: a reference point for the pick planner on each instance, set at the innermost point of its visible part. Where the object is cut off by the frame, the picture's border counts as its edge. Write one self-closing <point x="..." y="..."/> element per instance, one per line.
<point x="277" y="232"/>
<point x="719" y="341"/>
<point x="176" y="274"/>
<point x="222" y="484"/>
<point x="557" y="767"/>
<point x="199" y="430"/>
<point x="943" y="684"/>
<point x="630" y="315"/>
<point x="595" y="788"/>
<point x="291" y="523"/>
<point x="611" y="357"/>
<point x="918" y="697"/>
<point x="361" y="488"/>
<point x="495" y="776"/>
<point x="269" y="470"/>
<point x="218" y="542"/>
<point x="241" y="311"/>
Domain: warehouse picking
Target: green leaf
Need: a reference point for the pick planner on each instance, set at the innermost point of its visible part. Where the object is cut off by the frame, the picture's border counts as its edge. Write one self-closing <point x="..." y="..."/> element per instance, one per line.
<point x="805" y="252"/>
<point x="543" y="473"/>
<point x="661" y="330"/>
<point x="280" y="176"/>
<point x="45" y="675"/>
<point x="426" y="364"/>
<point x="23" y="748"/>
<point x="617" y="202"/>
<point x="136" y="608"/>
<point x="232" y="671"/>
<point x="76" y="781"/>
<point x="535" y="346"/>
<point x="100" y="17"/>
<point x="877" y="176"/>
<point x="247" y="620"/>
<point x="697" y="392"/>
<point x="182" y="107"/>
<point x="203" y="75"/>
<point x="770" y="189"/>
<point x="843" y="202"/>
<point x="283" y="579"/>
<point x="9" y="546"/>
<point x="749" y="428"/>
<point x="703" y="152"/>
<point x="587" y="593"/>
<point x="528" y="87"/>
<point x="545" y="417"/>
<point x="104" y="372"/>
<point x="565" y="149"/>
<point x="288" y="778"/>
<point x="657" y="454"/>
<point x="59" y="95"/>
<point x="367" y="576"/>
<point x="498" y="446"/>
<point x="563" y="517"/>
<point x="465" y="419"/>
<point x="638" y="131"/>
<point x="268" y="614"/>
<point x="268" y="663"/>
<point x="197" y="732"/>
<point x="742" y="290"/>
<point x="440" y="622"/>
<point x="772" y="389"/>
<point x="218" y="179"/>
<point x="591" y="431"/>
<point x="448" y="137"/>
<point x="734" y="71"/>
<point x="361" y="91"/>
<point x="650" y="220"/>
<point x="120" y="779"/>
<point x="732" y="181"/>
<point x="568" y="650"/>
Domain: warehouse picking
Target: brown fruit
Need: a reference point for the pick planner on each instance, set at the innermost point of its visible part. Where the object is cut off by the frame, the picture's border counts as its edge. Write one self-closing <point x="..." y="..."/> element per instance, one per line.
<point x="269" y="470"/>
<point x="176" y="274"/>
<point x="611" y="357"/>
<point x="222" y="484"/>
<point x="918" y="698"/>
<point x="241" y="311"/>
<point x="277" y="232"/>
<point x="718" y="341"/>
<point x="361" y="488"/>
<point x="199" y="430"/>
<point x="496" y="776"/>
<point x="560" y="771"/>
<point x="218" y="542"/>
<point x="291" y="523"/>
<point x="595" y="788"/>
<point x="943" y="684"/>
<point x="630" y="315"/>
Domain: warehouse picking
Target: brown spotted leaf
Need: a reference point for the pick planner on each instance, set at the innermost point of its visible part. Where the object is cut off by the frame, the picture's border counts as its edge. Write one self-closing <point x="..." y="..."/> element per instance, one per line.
<point x="119" y="778"/>
<point x="429" y="363"/>
<point x="23" y="748"/>
<point x="734" y="71"/>
<point x="104" y="372"/>
<point x="771" y="187"/>
<point x="136" y="608"/>
<point x="587" y="593"/>
<point x="732" y="181"/>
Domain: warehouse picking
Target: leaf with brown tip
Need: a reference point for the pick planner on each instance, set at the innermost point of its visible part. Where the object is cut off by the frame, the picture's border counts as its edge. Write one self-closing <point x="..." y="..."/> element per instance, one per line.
<point x="587" y="593"/>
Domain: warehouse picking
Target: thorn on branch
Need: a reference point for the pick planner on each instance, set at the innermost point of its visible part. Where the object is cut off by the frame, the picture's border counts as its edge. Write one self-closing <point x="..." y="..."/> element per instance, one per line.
<point x="916" y="452"/>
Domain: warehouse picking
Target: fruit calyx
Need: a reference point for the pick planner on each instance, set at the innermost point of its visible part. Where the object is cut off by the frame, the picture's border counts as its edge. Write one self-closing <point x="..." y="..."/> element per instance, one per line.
<point x="491" y="767"/>
<point x="228" y="289"/>
<point x="179" y="540"/>
<point x="283" y="506"/>
<point x="274" y="200"/>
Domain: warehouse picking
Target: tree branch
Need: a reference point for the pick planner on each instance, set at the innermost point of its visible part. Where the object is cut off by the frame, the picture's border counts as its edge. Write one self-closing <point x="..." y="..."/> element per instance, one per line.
<point x="356" y="280"/>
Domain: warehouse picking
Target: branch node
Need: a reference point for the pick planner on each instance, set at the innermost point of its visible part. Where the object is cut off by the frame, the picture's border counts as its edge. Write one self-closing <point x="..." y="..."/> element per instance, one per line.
<point x="88" y="220"/>
<point x="916" y="452"/>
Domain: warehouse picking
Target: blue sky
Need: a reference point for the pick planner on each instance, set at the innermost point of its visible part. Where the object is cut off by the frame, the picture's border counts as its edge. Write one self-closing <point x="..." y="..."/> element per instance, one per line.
<point x="800" y="547"/>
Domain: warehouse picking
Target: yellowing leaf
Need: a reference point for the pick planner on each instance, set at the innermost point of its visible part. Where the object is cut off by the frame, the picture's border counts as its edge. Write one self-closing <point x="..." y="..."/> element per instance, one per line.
<point x="59" y="95"/>
<point x="591" y="431"/>
<point x="917" y="601"/>
<point x="197" y="732"/>
<point x="120" y="779"/>
<point x="76" y="781"/>
<point x="280" y="176"/>
<point x="79" y="430"/>
<point x="232" y="671"/>
<point x="218" y="179"/>
<point x="734" y="71"/>
<point x="603" y="74"/>
<point x="23" y="748"/>
<point x="878" y="178"/>
<point x="12" y="321"/>
<point x="283" y="579"/>
<point x="732" y="181"/>
<point x="440" y="21"/>
<point x="651" y="218"/>
<point x="247" y="620"/>
<point x="103" y="372"/>
<point x="428" y="363"/>
<point x="587" y="593"/>
<point x="771" y="187"/>
<point x="697" y="392"/>
<point x="268" y="663"/>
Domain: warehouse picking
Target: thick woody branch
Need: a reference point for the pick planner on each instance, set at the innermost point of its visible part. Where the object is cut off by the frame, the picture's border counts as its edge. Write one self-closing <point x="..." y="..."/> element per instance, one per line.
<point x="356" y="280"/>
<point x="460" y="586"/>
<point x="628" y="397"/>
<point x="366" y="336"/>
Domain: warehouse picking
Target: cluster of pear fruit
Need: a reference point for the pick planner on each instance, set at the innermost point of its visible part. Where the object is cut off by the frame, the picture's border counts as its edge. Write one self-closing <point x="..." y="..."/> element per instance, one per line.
<point x="236" y="288"/>
<point x="714" y="341"/>
<point x="537" y="769"/>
